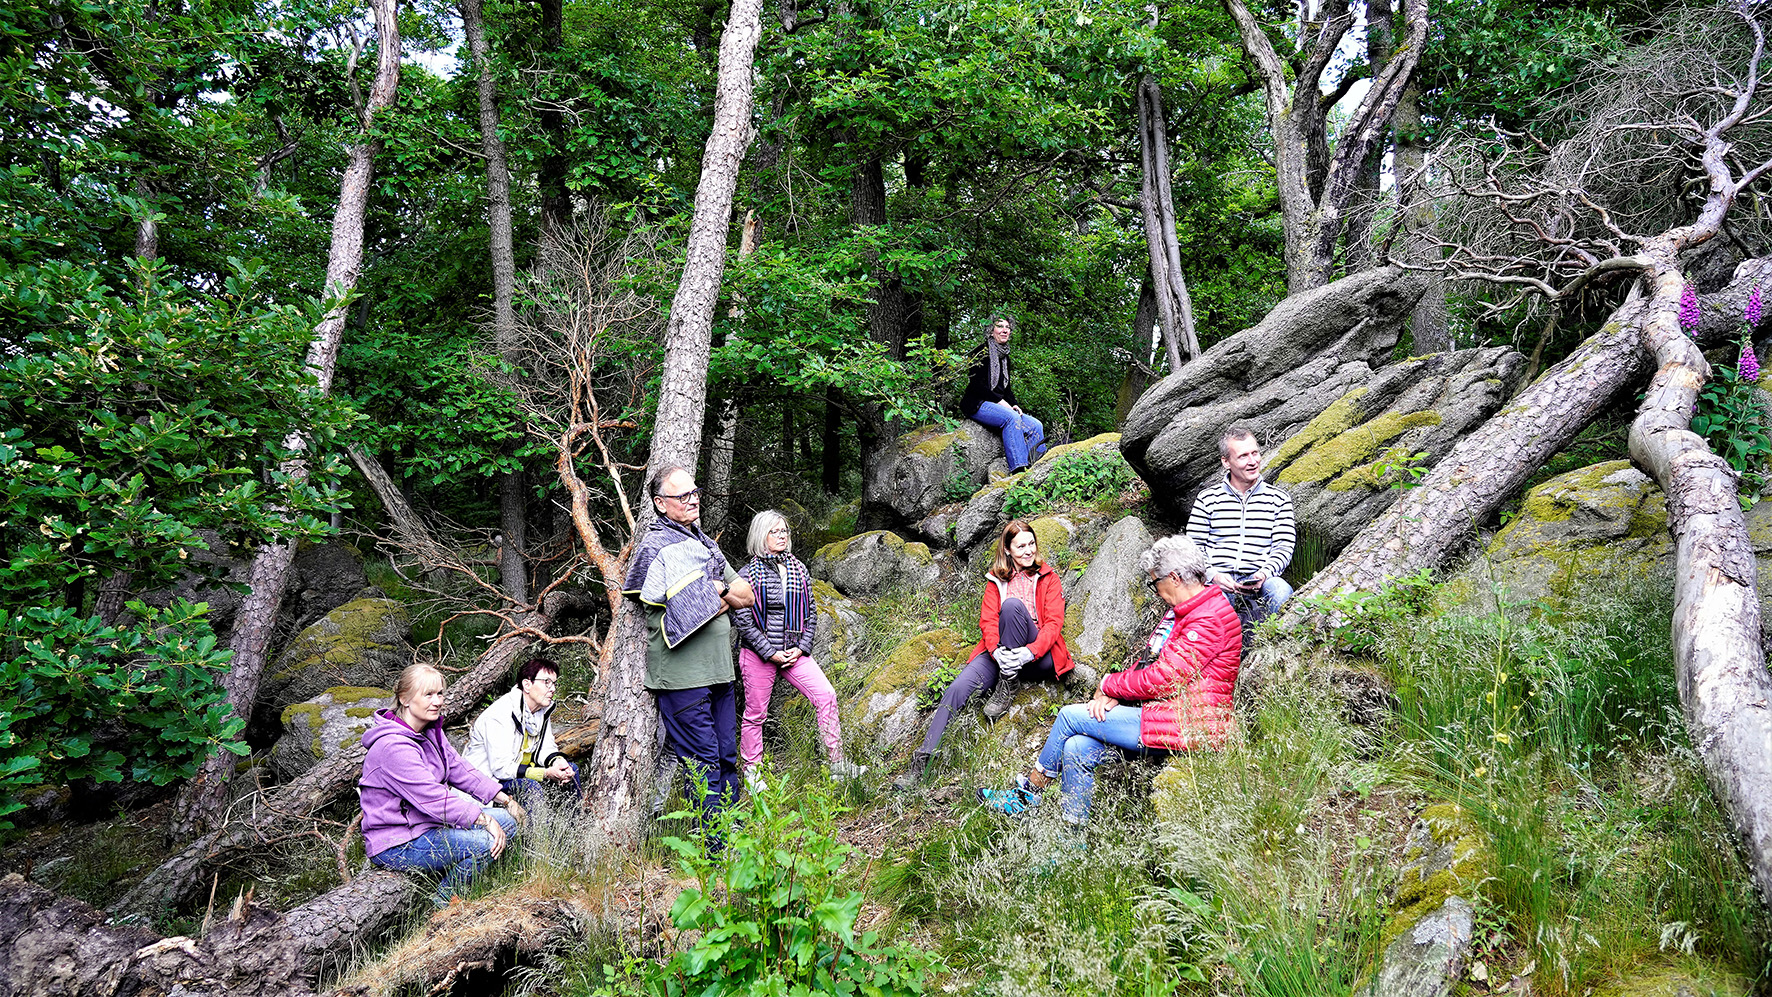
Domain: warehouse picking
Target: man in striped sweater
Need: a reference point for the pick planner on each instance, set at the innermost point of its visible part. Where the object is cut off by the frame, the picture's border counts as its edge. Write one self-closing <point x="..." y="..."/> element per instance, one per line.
<point x="1244" y="525"/>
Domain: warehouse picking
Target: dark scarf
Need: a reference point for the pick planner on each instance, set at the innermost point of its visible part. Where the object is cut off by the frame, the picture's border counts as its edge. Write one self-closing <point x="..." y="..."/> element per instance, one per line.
<point x="762" y="573"/>
<point x="997" y="363"/>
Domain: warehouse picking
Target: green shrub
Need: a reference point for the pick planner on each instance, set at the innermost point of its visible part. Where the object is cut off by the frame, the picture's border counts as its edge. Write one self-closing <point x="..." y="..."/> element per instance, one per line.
<point x="1076" y="478"/>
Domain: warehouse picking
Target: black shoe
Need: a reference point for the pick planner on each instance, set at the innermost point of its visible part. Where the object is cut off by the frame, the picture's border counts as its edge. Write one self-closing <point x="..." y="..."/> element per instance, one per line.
<point x="912" y="774"/>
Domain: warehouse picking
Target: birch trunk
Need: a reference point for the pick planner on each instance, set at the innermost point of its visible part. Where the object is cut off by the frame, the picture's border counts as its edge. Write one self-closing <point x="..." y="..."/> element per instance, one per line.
<point x="1175" y="307"/>
<point x="618" y="779"/>
<point x="202" y="799"/>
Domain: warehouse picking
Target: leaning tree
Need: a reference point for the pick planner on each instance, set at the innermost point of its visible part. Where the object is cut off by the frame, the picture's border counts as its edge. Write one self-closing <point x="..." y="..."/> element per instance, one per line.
<point x="1551" y="221"/>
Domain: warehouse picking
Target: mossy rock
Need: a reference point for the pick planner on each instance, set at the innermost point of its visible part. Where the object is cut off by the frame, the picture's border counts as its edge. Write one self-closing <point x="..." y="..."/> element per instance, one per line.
<point x="1108" y="605"/>
<point x="925" y="468"/>
<point x="838" y="625"/>
<point x="889" y="714"/>
<point x="362" y="643"/>
<point x="316" y="728"/>
<point x="874" y="563"/>
<point x="1446" y="856"/>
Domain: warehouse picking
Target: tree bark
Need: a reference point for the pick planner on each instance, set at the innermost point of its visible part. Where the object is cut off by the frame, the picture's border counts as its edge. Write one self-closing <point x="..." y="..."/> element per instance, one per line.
<point x="178" y="878"/>
<point x="513" y="498"/>
<point x="556" y="197"/>
<point x="1175" y="307"/>
<point x="1415" y="201"/>
<point x="618" y="779"/>
<point x="1314" y="183"/>
<point x="204" y="796"/>
<point x="1363" y="201"/>
<point x="831" y="443"/>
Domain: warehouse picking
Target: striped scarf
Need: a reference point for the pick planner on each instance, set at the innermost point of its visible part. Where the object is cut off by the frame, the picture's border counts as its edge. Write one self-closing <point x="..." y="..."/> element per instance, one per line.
<point x="765" y="571"/>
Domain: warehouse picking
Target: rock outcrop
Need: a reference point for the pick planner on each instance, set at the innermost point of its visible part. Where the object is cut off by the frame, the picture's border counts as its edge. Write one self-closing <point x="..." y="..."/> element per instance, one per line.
<point x="1106" y="608"/>
<point x="1345" y="465"/>
<point x="984" y="513"/>
<point x="1276" y="376"/>
<point x="927" y="468"/>
<point x="1428" y="934"/>
<point x="318" y="728"/>
<point x="361" y="643"/>
<point x="889" y="715"/>
<point x="874" y="563"/>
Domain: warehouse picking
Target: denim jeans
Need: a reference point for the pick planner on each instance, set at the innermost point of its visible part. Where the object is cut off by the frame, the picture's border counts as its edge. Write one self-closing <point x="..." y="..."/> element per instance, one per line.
<point x="457" y="852"/>
<point x="1024" y="438"/>
<point x="528" y="791"/>
<point x="1253" y="607"/>
<point x="1078" y="743"/>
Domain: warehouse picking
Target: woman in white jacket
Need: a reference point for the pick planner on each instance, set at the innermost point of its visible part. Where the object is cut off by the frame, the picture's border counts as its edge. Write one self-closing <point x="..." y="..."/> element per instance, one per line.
<point x="513" y="742"/>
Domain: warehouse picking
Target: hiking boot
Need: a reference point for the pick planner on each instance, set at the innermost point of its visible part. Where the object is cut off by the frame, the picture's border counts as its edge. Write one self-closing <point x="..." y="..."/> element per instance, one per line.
<point x="1012" y="802"/>
<point x="912" y="773"/>
<point x="842" y="771"/>
<point x="1002" y="697"/>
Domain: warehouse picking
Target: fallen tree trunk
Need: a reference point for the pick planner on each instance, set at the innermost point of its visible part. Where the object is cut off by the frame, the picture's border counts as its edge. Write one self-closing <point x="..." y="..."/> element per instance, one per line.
<point x="271" y="813"/>
<point x="468" y="939"/>
<point x="1430" y="522"/>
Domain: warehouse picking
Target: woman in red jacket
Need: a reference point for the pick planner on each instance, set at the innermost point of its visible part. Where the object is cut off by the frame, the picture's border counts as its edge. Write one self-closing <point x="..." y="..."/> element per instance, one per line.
<point x="1177" y="695"/>
<point x="1021" y="622"/>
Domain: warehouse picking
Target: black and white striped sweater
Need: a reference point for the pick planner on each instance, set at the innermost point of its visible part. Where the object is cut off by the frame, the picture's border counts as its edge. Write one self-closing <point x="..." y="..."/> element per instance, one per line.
<point x="1243" y="533"/>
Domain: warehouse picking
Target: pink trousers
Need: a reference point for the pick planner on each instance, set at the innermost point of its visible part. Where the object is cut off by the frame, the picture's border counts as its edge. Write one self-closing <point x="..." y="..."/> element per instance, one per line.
<point x="759" y="683"/>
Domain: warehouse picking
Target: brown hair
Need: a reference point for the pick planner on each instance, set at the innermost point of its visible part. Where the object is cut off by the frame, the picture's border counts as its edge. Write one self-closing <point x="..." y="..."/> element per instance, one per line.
<point x="409" y="679"/>
<point x="1003" y="565"/>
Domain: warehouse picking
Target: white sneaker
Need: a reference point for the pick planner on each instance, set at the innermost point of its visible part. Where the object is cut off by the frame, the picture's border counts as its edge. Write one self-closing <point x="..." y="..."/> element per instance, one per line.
<point x="844" y="771"/>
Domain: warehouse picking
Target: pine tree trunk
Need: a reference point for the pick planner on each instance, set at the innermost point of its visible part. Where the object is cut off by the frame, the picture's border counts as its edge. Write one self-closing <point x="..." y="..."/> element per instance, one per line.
<point x="618" y="780"/>
<point x="202" y="799"/>
<point x="1428" y="325"/>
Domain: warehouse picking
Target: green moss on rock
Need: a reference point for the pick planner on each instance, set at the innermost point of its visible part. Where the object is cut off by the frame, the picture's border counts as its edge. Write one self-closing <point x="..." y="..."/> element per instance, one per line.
<point x="837" y="550"/>
<point x="1472" y="862"/>
<point x="1338" y="418"/>
<point x="910" y="664"/>
<point x="309" y="710"/>
<point x="345" y="694"/>
<point x="1054" y="535"/>
<point x="933" y="445"/>
<point x="1354" y="447"/>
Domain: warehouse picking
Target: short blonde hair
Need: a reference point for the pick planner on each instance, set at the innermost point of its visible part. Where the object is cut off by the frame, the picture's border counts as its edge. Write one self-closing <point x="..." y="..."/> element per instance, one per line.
<point x="756" y="542"/>
<point x="409" y="679"/>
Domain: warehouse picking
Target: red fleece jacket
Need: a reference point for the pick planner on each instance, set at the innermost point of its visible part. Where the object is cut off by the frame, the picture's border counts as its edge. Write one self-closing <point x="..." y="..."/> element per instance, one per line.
<point x="1048" y="613"/>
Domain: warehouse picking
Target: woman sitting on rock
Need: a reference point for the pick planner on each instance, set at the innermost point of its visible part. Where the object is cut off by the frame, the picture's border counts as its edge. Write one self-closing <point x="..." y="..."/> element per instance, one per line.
<point x="1175" y="697"/>
<point x="990" y="398"/>
<point x="775" y="639"/>
<point x="424" y="808"/>
<point x="1021" y="622"/>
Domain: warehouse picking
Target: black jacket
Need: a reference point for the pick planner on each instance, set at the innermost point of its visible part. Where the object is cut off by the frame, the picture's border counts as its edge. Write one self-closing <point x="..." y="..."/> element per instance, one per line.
<point x="978" y="382"/>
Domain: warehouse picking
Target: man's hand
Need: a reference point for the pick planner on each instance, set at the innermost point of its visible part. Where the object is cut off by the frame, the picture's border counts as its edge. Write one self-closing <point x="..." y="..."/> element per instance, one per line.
<point x="560" y="771"/>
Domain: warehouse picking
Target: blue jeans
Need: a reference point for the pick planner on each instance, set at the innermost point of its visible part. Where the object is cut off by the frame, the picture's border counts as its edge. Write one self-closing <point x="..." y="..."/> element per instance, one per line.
<point x="1024" y="439"/>
<point x="457" y="852"/>
<point x="1253" y="607"/>
<point x="1078" y="743"/>
<point x="527" y="791"/>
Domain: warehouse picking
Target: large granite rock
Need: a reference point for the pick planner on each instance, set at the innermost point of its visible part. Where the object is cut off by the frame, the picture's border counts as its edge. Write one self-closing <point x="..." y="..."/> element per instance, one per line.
<point x="1428" y="934"/>
<point x="323" y="577"/>
<point x="872" y="564"/>
<point x="1275" y="376"/>
<point x="1345" y="466"/>
<point x="318" y="728"/>
<point x="926" y="468"/>
<point x="839" y="625"/>
<point x="889" y="717"/>
<point x="361" y="643"/>
<point x="1108" y="608"/>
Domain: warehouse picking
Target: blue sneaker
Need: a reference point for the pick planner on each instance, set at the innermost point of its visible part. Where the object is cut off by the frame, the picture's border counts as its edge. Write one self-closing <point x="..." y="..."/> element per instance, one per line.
<point x="1012" y="802"/>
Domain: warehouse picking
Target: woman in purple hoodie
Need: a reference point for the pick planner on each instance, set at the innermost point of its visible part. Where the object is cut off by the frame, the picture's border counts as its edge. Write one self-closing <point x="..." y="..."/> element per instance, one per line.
<point x="424" y="808"/>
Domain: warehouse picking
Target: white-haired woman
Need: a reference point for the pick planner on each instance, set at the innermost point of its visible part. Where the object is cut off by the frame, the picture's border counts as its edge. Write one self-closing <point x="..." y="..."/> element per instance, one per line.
<point x="775" y="640"/>
<point x="1175" y="697"/>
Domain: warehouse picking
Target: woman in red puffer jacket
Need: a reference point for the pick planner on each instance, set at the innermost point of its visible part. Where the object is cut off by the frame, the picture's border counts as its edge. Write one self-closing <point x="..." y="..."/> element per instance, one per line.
<point x="1176" y="697"/>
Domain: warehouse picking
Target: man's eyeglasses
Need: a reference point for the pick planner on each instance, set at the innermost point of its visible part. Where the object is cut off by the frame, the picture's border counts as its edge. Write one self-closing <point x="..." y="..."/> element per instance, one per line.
<point x="692" y="495"/>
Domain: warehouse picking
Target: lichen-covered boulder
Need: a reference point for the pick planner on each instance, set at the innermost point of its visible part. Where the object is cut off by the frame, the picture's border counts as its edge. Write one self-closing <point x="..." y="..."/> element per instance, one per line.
<point x="1275" y="377"/>
<point x="1109" y="607"/>
<point x="813" y="529"/>
<point x="839" y="625"/>
<point x="871" y="564"/>
<point x="317" y="728"/>
<point x="927" y="467"/>
<point x="985" y="512"/>
<point x="361" y="643"/>
<point x="1347" y="464"/>
<point x="1428" y="934"/>
<point x="323" y="577"/>
<point x="889" y="716"/>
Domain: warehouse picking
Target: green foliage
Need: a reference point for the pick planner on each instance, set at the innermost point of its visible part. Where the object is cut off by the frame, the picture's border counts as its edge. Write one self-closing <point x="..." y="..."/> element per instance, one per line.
<point x="1512" y="59"/>
<point x="1076" y="478"/>
<point x="1733" y="420"/>
<point x="67" y="679"/>
<point x="1364" y="619"/>
<point x="770" y="914"/>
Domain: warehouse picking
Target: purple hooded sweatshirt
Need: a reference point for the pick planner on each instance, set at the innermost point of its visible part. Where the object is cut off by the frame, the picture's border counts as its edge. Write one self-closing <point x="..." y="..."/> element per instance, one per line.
<point x="410" y="782"/>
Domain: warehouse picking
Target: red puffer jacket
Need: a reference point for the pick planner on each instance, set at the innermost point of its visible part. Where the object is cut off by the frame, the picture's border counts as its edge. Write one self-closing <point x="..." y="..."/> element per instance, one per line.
<point x="1187" y="691"/>
<point x="1048" y="613"/>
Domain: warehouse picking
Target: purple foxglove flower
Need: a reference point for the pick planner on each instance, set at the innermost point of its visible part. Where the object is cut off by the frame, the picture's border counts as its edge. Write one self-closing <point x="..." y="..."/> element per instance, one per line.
<point x="1749" y="366"/>
<point x="1753" y="308"/>
<point x="1689" y="308"/>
